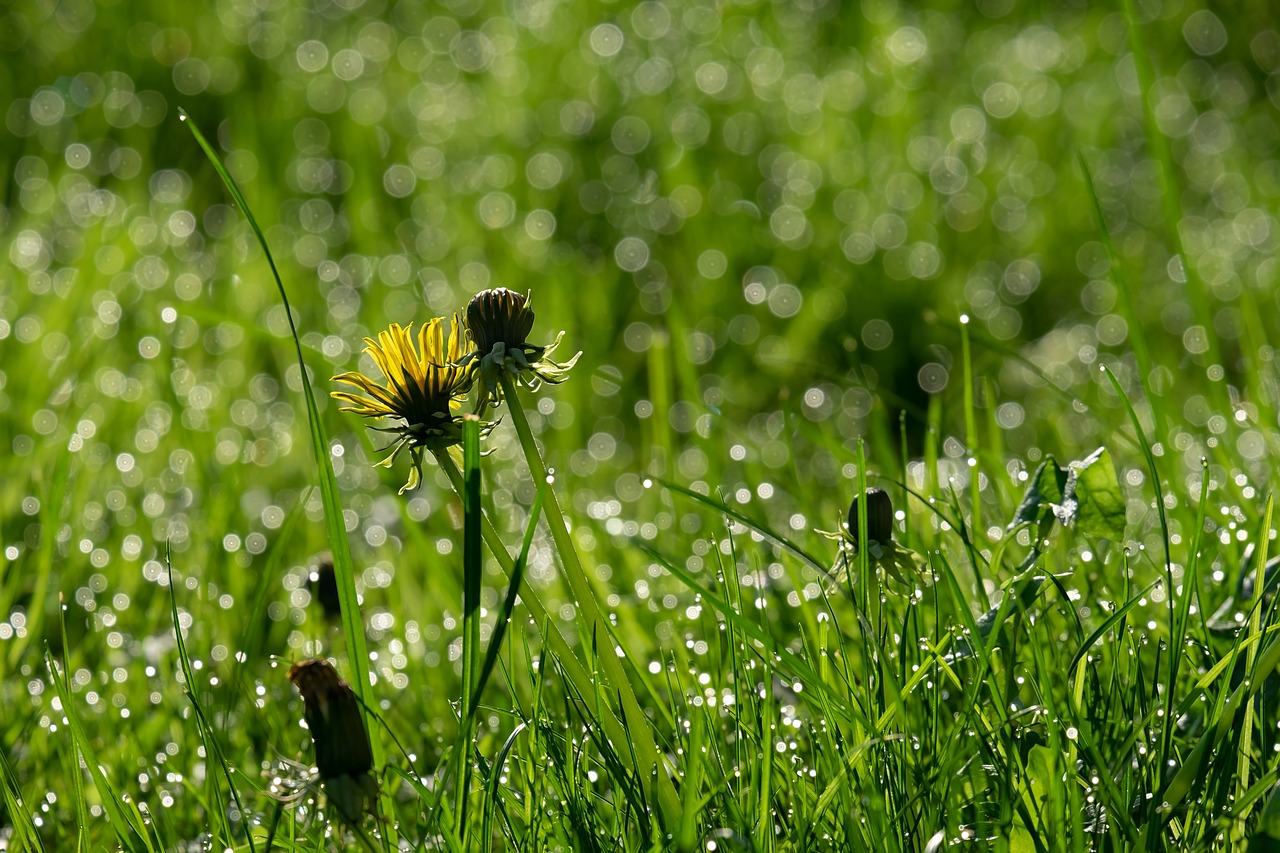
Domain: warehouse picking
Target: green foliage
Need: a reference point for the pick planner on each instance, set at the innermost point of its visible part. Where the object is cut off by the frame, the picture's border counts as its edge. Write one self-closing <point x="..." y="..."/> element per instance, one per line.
<point x="807" y="249"/>
<point x="1084" y="496"/>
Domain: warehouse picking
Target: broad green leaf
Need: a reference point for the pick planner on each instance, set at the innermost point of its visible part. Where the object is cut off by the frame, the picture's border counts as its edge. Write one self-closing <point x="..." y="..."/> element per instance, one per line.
<point x="1043" y="494"/>
<point x="1093" y="496"/>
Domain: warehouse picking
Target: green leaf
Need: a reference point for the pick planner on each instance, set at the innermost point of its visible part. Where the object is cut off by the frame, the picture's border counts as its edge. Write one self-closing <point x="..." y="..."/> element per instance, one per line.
<point x="1043" y="494"/>
<point x="1092" y="497"/>
<point x="1085" y="495"/>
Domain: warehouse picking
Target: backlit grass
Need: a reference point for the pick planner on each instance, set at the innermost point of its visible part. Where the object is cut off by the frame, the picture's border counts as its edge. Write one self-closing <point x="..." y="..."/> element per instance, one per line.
<point x="806" y="249"/>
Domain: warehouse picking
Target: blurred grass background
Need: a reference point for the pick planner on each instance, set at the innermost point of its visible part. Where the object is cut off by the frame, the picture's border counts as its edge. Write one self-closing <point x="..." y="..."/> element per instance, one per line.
<point x="760" y="222"/>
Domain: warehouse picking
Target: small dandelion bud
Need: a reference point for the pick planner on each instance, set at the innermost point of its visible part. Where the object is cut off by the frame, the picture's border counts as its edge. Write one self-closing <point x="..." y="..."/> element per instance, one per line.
<point x="323" y="584"/>
<point x="879" y="510"/>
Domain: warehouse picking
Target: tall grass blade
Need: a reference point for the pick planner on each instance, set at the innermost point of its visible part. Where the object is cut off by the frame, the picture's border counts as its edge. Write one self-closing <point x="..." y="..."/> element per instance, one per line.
<point x="1245" y="755"/>
<point x="652" y="768"/>
<point x="340" y="546"/>
<point x="19" y="815"/>
<point x="795" y="666"/>
<point x="129" y="830"/>
<point x="208" y="738"/>
<point x="472" y="576"/>
<point x="1168" y="722"/>
<point x="763" y="529"/>
<point x="509" y="603"/>
<point x="1112" y="621"/>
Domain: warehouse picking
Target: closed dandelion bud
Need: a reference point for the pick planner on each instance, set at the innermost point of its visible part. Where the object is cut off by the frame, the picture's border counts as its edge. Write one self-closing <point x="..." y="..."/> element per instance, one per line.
<point x="499" y="322"/>
<point x="879" y="510"/>
<point x="499" y="316"/>
<point x="343" y="755"/>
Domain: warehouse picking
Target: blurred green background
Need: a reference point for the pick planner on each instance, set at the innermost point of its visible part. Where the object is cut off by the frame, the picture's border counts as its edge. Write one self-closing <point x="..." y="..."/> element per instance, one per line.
<point x="784" y="191"/>
<point x="772" y="205"/>
<point x="761" y="222"/>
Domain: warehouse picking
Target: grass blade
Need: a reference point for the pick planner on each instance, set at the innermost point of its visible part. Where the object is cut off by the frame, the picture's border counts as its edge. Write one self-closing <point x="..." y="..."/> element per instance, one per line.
<point x="339" y="545"/>
<point x="1113" y="620"/>
<point x="129" y="830"/>
<point x="472" y="572"/>
<point x="509" y="603"/>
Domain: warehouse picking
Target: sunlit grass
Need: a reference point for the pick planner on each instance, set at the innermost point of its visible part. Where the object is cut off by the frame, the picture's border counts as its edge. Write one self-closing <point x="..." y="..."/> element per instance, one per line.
<point x="806" y="249"/>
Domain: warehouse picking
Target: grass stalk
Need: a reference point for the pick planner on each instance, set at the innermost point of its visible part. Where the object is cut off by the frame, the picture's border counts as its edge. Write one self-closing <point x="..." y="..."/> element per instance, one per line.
<point x="208" y="737"/>
<point x="335" y="525"/>
<point x="1244" y="756"/>
<point x="472" y="572"/>
<point x="131" y="832"/>
<point x="579" y="675"/>
<point x="971" y="434"/>
<point x="651" y="768"/>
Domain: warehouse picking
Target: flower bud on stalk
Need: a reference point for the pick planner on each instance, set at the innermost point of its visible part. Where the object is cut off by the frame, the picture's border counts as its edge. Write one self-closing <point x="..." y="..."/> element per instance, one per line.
<point x="879" y="509"/>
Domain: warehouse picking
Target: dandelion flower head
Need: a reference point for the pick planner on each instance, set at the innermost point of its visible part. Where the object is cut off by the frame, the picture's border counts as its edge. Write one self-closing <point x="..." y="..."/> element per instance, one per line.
<point x="424" y="385"/>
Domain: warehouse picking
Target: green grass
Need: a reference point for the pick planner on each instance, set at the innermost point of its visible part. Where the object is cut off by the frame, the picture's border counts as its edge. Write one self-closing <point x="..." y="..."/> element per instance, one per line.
<point x="1001" y="239"/>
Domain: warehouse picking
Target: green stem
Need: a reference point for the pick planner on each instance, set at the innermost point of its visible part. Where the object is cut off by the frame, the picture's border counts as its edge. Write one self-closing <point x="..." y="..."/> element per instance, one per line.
<point x="582" y="679"/>
<point x="868" y="581"/>
<point x="652" y="771"/>
<point x="472" y="569"/>
<point x="971" y="434"/>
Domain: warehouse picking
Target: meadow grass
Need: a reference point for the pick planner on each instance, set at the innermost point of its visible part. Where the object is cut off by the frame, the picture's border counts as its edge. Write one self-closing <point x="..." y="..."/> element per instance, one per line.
<point x="1000" y="240"/>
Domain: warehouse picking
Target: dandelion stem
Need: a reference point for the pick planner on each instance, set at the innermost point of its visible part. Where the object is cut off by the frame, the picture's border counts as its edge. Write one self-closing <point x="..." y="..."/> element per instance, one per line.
<point x="583" y="680"/>
<point x="472" y="568"/>
<point x="651" y="771"/>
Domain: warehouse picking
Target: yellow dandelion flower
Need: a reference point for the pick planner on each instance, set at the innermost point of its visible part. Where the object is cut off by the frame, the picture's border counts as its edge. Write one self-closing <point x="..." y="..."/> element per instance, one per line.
<point x="499" y="321"/>
<point x="424" y="386"/>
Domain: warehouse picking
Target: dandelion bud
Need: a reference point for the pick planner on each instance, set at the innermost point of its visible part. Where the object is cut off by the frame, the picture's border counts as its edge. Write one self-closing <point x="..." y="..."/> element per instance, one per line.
<point x="499" y="322"/>
<point x="879" y="510"/>
<point x="499" y="316"/>
<point x="323" y="583"/>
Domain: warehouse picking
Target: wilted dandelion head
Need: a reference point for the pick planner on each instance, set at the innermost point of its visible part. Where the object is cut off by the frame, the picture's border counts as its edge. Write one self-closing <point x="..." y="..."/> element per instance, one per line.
<point x="425" y="384"/>
<point x="499" y="321"/>
<point x="344" y="758"/>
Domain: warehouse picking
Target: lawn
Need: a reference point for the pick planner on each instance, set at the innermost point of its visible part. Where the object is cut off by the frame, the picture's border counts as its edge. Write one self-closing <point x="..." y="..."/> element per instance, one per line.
<point x="1002" y="275"/>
